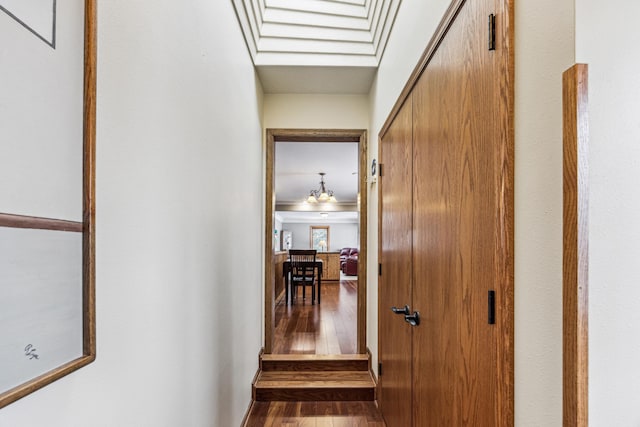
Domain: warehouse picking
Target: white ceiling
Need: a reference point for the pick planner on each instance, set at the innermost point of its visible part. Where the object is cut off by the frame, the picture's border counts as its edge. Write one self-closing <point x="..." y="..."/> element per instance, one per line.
<point x="289" y="79"/>
<point x="297" y="165"/>
<point x="292" y="37"/>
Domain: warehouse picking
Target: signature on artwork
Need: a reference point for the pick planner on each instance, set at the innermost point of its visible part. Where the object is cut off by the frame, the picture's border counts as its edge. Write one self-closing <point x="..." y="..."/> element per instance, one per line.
<point x="30" y="352"/>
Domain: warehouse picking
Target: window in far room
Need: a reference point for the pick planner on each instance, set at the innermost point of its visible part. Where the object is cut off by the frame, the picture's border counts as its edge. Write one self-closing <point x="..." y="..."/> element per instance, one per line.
<point x="319" y="237"/>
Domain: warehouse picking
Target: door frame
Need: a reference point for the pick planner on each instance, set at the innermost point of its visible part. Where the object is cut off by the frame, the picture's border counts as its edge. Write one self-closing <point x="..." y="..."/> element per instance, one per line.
<point x="314" y="135"/>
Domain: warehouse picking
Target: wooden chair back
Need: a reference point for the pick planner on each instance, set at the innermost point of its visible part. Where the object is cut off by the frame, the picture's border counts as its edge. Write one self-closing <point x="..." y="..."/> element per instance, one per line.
<point x="302" y="264"/>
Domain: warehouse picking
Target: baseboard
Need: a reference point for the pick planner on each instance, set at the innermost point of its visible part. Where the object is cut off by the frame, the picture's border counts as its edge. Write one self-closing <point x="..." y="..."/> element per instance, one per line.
<point x="260" y="353"/>
<point x="246" y="415"/>
<point x="374" y="376"/>
<point x="253" y="397"/>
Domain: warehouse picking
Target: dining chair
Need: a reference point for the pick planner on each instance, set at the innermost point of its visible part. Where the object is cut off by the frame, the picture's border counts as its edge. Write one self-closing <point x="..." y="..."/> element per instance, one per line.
<point x="303" y="272"/>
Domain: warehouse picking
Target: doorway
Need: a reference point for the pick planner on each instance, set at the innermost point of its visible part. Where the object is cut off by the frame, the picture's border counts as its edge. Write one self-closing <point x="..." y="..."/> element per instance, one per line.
<point x="273" y="274"/>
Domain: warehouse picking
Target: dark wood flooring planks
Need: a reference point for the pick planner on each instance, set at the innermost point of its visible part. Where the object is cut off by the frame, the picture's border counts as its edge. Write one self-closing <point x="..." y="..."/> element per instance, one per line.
<point x="325" y="328"/>
<point x="314" y="414"/>
<point x="312" y="386"/>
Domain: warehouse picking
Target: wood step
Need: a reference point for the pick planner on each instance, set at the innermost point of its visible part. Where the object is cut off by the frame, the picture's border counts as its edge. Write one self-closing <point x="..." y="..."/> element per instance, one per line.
<point x="314" y="386"/>
<point x="314" y="362"/>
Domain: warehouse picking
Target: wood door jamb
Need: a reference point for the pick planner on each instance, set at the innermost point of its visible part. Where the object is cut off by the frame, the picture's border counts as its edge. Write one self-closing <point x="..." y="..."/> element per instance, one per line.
<point x="315" y="135"/>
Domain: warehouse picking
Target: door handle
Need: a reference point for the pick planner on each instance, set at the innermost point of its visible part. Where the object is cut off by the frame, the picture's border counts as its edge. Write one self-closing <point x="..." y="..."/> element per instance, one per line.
<point x="406" y="310"/>
<point x="413" y="319"/>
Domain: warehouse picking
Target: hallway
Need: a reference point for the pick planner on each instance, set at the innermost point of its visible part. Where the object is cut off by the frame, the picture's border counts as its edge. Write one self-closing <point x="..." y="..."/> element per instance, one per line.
<point x="180" y="98"/>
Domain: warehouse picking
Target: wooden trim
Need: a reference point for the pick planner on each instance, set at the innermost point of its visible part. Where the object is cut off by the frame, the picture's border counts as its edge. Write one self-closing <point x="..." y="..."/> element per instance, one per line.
<point x="87" y="227"/>
<point x="318" y="135"/>
<point x="379" y="256"/>
<point x="269" y="303"/>
<point x="363" y="172"/>
<point x="253" y="392"/>
<point x="89" y="180"/>
<point x="245" y="420"/>
<point x="446" y="21"/>
<point x="374" y="376"/>
<point x="315" y="135"/>
<point x="253" y="383"/>
<point x="575" y="254"/>
<point x="260" y="355"/>
<point x="20" y="221"/>
<point x="504" y="179"/>
<point x="43" y="380"/>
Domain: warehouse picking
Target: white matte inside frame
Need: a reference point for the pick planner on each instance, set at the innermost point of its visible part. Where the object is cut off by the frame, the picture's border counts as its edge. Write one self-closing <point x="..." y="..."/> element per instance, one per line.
<point x="41" y="116"/>
<point x="40" y="302"/>
<point x="38" y="15"/>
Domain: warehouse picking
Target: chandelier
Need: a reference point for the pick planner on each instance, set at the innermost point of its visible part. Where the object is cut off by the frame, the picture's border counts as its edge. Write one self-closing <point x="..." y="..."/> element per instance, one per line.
<point x="321" y="195"/>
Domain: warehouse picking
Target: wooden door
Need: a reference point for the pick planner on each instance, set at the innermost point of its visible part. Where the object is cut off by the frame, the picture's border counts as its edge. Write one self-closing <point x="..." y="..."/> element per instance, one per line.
<point x="456" y="138"/>
<point x="395" y="282"/>
<point x="461" y="228"/>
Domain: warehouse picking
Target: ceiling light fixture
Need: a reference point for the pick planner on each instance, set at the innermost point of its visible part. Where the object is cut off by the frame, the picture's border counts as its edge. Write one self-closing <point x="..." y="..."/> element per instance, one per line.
<point x="321" y="195"/>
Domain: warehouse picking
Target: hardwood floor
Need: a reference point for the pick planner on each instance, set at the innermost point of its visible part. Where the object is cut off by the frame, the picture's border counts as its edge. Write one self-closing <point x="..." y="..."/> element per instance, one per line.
<point x="326" y="328"/>
<point x="315" y="414"/>
<point x="315" y="386"/>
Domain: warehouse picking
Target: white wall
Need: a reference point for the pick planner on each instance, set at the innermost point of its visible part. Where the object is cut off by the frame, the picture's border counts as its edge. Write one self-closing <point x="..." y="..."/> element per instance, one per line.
<point x="607" y="38"/>
<point x="544" y="48"/>
<point x="340" y="235"/>
<point x="179" y="138"/>
<point x="310" y="111"/>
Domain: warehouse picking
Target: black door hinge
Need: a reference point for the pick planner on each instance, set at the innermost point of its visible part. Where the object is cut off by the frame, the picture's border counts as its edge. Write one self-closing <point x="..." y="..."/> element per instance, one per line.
<point x="380" y="369"/>
<point x="492" y="307"/>
<point x="492" y="32"/>
<point x="380" y="168"/>
<point x="380" y="269"/>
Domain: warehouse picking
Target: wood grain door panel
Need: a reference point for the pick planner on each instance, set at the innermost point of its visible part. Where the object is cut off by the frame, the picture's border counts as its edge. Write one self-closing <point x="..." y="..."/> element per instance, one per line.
<point x="457" y="110"/>
<point x="395" y="281"/>
<point x="454" y="223"/>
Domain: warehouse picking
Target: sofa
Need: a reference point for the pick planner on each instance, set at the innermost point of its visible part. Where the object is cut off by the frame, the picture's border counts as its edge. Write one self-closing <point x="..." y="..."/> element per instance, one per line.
<point x="349" y="261"/>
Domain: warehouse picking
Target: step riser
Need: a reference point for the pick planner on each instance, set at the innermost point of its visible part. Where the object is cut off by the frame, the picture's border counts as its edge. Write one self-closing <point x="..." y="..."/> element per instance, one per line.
<point x="315" y="365"/>
<point x="314" y="378"/>
<point x="311" y="394"/>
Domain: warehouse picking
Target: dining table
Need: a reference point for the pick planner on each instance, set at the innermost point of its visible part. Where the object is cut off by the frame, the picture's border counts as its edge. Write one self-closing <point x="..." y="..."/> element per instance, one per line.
<point x="286" y="272"/>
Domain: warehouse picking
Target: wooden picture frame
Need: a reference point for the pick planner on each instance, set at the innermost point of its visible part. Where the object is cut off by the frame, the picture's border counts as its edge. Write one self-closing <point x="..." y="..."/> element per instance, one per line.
<point x="78" y="113"/>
